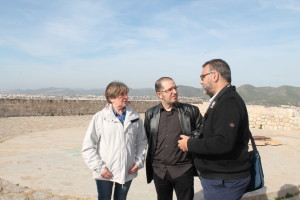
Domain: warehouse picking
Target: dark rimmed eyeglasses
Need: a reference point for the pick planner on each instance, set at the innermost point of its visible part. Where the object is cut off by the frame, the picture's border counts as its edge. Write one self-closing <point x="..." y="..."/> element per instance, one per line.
<point x="170" y="89"/>
<point x="203" y="75"/>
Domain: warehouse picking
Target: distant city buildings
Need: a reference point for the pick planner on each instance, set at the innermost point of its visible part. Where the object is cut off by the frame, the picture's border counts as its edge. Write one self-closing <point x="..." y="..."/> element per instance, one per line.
<point x="40" y="96"/>
<point x="196" y="100"/>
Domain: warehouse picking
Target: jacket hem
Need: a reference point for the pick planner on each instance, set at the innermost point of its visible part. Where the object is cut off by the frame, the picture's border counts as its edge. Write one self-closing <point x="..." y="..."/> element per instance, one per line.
<point x="227" y="176"/>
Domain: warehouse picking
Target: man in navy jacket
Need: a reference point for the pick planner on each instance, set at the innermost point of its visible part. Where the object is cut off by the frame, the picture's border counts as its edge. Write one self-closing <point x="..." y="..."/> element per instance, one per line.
<point x="221" y="154"/>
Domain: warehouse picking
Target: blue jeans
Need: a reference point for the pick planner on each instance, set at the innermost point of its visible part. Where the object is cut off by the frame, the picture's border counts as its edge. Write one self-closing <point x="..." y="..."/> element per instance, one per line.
<point x="224" y="189"/>
<point x="104" y="189"/>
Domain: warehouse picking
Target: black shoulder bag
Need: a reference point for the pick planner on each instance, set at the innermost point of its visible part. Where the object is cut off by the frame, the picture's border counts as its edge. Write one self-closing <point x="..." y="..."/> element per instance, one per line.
<point x="257" y="174"/>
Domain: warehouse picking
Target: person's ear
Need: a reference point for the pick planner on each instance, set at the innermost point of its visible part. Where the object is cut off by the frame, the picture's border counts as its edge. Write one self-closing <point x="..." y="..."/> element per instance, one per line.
<point x="111" y="100"/>
<point x="159" y="95"/>
<point x="216" y="76"/>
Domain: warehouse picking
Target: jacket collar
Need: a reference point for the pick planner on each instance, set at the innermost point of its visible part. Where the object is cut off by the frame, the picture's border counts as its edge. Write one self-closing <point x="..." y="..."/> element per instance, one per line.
<point x="176" y="106"/>
<point x="131" y="115"/>
<point x="219" y="95"/>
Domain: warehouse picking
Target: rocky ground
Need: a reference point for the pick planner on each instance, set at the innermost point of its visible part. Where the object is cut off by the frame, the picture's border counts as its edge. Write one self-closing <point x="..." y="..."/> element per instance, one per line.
<point x="14" y="126"/>
<point x="10" y="191"/>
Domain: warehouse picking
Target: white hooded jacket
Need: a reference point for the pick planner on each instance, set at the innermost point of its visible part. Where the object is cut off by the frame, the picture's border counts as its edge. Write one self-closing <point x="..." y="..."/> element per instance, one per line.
<point x="116" y="146"/>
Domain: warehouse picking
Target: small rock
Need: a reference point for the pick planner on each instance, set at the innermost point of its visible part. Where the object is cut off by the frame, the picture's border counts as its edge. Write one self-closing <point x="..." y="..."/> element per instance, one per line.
<point x="11" y="187"/>
<point x="40" y="195"/>
<point x="28" y="191"/>
<point x="11" y="196"/>
<point x="57" y="198"/>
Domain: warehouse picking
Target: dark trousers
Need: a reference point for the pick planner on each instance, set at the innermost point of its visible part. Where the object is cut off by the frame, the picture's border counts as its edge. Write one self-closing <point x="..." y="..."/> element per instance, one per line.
<point x="224" y="189"/>
<point x="183" y="186"/>
<point x="104" y="189"/>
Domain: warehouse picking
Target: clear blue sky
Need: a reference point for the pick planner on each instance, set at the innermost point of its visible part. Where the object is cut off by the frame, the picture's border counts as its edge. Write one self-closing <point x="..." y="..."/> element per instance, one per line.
<point x="89" y="43"/>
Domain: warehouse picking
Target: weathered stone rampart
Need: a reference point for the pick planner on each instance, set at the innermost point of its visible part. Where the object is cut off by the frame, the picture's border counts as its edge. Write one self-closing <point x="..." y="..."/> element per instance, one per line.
<point x="271" y="118"/>
<point x="274" y="118"/>
<point x="284" y="118"/>
<point x="59" y="107"/>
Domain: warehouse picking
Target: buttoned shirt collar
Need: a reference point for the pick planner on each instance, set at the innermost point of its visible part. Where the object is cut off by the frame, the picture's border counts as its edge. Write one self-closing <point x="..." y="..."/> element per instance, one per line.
<point x="211" y="101"/>
<point x="120" y="117"/>
<point x="175" y="106"/>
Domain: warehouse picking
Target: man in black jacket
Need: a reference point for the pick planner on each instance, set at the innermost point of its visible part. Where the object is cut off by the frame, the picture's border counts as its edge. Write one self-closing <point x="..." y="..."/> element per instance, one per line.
<point x="221" y="154"/>
<point x="166" y="164"/>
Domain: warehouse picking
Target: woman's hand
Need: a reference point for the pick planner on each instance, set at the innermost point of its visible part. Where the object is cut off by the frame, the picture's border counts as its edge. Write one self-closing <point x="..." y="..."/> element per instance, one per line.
<point x="134" y="169"/>
<point x="106" y="174"/>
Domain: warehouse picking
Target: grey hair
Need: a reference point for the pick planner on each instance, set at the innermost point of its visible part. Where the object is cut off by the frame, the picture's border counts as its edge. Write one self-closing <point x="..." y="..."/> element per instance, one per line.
<point x="220" y="66"/>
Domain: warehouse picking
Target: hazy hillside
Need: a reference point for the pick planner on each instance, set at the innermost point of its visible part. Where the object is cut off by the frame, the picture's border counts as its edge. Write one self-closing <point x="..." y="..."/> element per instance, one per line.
<point x="284" y="95"/>
<point x="142" y="92"/>
<point x="57" y="91"/>
<point x="188" y="91"/>
<point x="252" y="94"/>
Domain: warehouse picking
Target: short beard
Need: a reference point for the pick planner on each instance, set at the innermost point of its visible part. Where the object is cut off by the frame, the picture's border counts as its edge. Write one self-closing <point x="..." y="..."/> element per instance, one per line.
<point x="207" y="91"/>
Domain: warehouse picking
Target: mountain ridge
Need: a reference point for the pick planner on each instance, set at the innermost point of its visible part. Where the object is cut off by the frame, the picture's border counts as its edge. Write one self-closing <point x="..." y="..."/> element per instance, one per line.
<point x="270" y="96"/>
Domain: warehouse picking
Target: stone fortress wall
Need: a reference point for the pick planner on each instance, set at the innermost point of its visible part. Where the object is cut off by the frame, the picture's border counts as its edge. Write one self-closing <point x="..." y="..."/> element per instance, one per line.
<point x="57" y="107"/>
<point x="274" y="118"/>
<point x="284" y="118"/>
<point x="271" y="118"/>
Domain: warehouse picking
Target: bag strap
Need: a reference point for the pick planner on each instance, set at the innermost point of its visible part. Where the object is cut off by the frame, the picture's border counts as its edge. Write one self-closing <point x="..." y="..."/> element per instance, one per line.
<point x="253" y="143"/>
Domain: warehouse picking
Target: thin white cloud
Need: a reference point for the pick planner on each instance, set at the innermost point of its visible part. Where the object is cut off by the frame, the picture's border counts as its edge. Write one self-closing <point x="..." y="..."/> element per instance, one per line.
<point x="127" y="43"/>
<point x="65" y="31"/>
<point x="293" y="6"/>
<point x="289" y="5"/>
<point x="216" y="33"/>
<point x="99" y="41"/>
<point x="2" y="42"/>
<point x="75" y="25"/>
<point x="154" y="33"/>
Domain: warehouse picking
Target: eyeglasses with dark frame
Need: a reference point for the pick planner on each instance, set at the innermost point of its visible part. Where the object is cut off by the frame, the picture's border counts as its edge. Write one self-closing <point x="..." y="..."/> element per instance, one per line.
<point x="203" y="75"/>
<point x="170" y="89"/>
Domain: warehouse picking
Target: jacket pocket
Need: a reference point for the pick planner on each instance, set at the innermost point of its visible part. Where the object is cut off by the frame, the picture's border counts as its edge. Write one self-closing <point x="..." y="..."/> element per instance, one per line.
<point x="130" y="137"/>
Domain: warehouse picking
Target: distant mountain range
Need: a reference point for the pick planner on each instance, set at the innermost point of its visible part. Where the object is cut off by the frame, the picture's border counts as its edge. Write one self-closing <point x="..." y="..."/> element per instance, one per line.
<point x="283" y="95"/>
<point x="269" y="96"/>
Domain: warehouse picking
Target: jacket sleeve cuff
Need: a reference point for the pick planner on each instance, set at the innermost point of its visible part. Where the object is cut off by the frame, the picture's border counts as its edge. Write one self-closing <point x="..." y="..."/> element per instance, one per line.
<point x="139" y="164"/>
<point x="189" y="144"/>
<point x="99" y="170"/>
